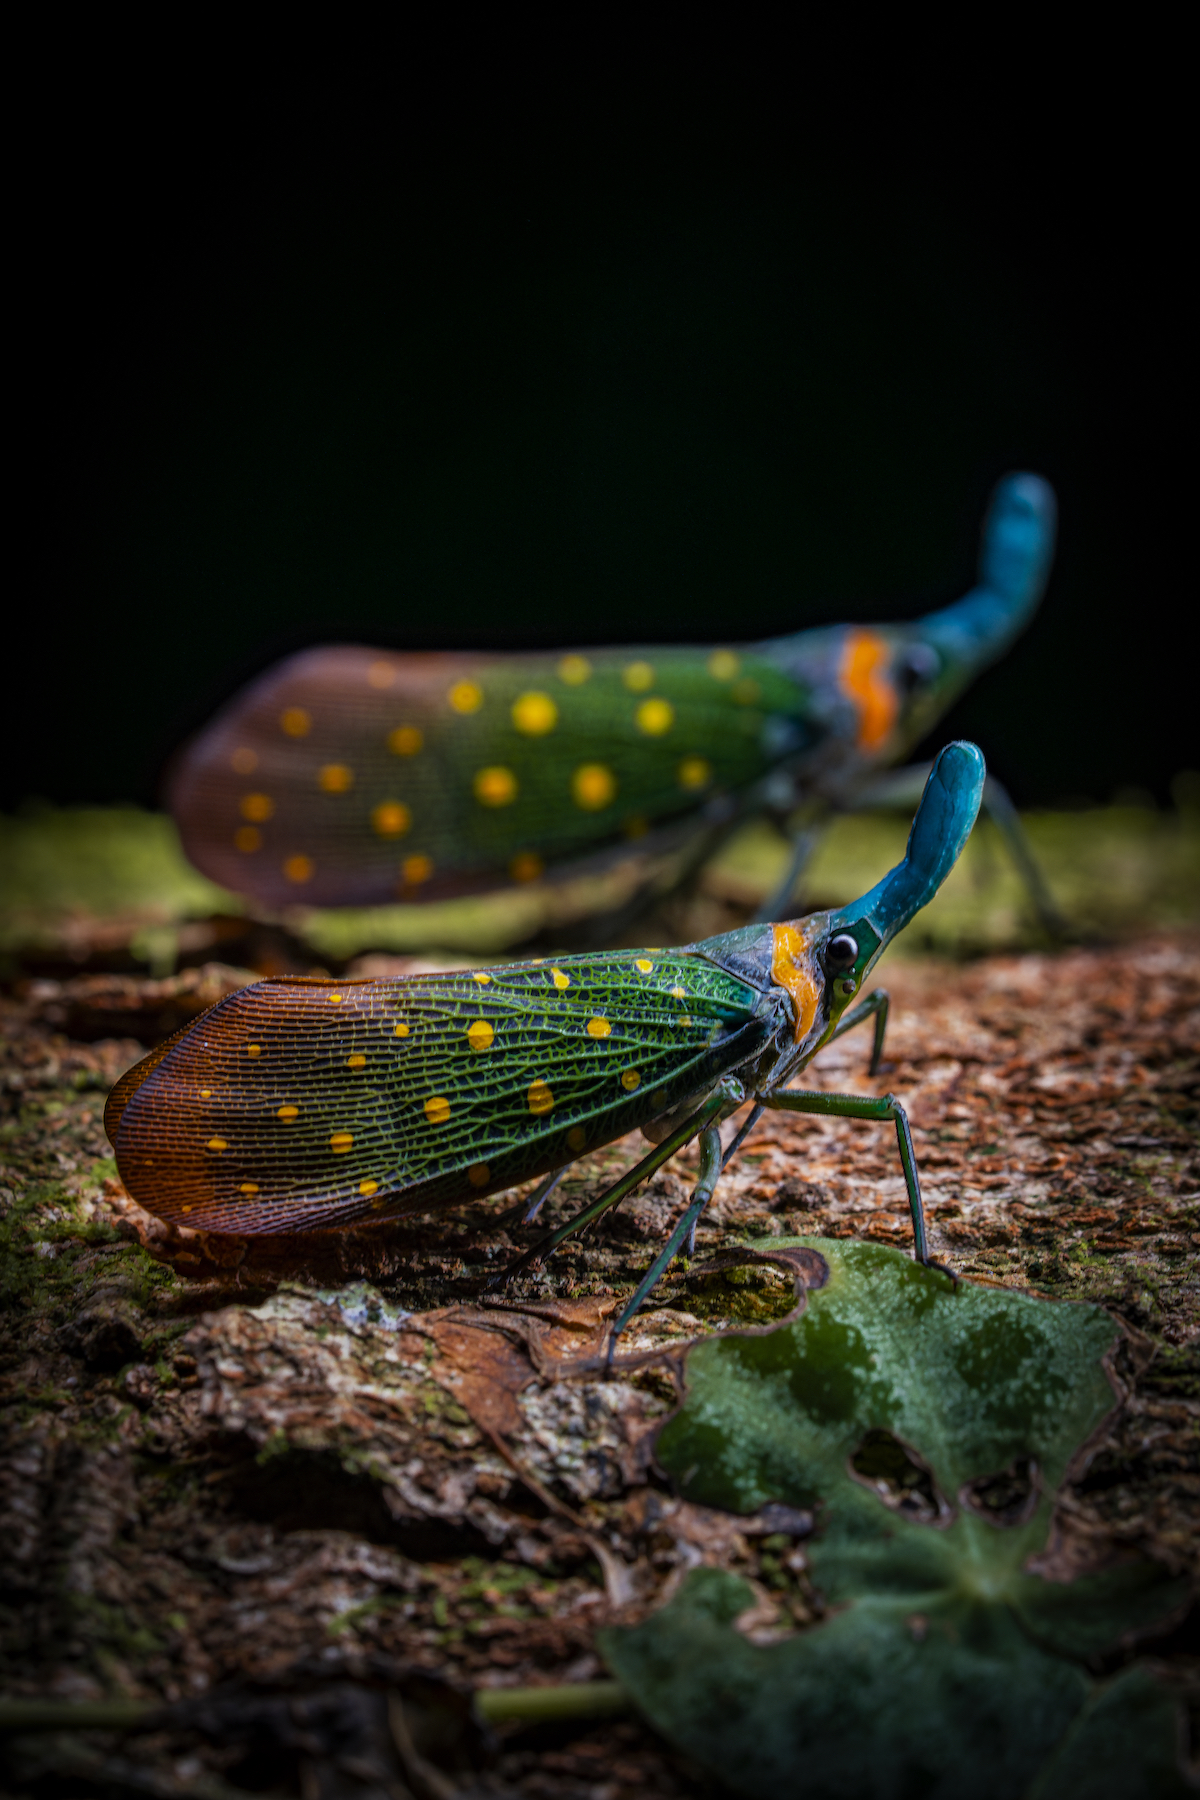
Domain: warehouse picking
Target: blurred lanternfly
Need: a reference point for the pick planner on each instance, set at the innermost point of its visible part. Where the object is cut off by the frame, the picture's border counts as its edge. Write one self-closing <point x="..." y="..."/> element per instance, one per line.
<point x="347" y="776"/>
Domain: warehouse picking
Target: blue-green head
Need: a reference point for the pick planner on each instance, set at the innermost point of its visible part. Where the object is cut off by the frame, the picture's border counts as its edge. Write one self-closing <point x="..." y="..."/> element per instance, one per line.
<point x="941" y="826"/>
<point x="943" y="652"/>
<point x="881" y="688"/>
<point x="1016" y="552"/>
<point x="822" y="960"/>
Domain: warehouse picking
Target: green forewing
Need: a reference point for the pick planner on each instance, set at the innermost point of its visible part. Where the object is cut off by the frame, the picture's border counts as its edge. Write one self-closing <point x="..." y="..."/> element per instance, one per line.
<point x="297" y="1105"/>
<point x="347" y="776"/>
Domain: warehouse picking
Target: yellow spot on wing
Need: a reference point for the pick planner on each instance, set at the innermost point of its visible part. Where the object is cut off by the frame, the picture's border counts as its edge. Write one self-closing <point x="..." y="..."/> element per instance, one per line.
<point x="574" y="670"/>
<point x="288" y="1113"/>
<point x="437" y="1109"/>
<point x="406" y="740"/>
<point x="368" y="1188"/>
<point x="694" y="772"/>
<point x="341" y="1141"/>
<point x="479" y="1174"/>
<point x="335" y="999"/>
<point x="481" y="976"/>
<point x="576" y="1138"/>
<point x="244" y="761"/>
<point x="465" y="697"/>
<point x="677" y="993"/>
<point x="723" y="665"/>
<point x="357" y="1061"/>
<point x="863" y="677"/>
<point x="654" y="717"/>
<point x="253" y="1049"/>
<point x="400" y="1029"/>
<point x="416" y="869"/>
<point x="248" y="1187"/>
<point x="560" y="980"/>
<point x="247" y="838"/>
<point x="217" y="1144"/>
<point x="541" y="1100"/>
<point x="593" y="787"/>
<point x="206" y="1093"/>
<point x="495" y="786"/>
<point x="295" y="721"/>
<point x="631" y="1079"/>
<point x="480" y="1035"/>
<point x="684" y="1019"/>
<point x="643" y="965"/>
<point x="335" y="778"/>
<point x="598" y="1028"/>
<point x="256" y="807"/>
<point x="391" y="818"/>
<point x="638" y="676"/>
<point x="534" y="714"/>
<point x="299" y="869"/>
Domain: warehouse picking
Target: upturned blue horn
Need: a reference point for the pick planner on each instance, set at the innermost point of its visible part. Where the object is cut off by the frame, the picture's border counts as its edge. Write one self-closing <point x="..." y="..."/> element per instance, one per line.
<point x="1015" y="555"/>
<point x="940" y="828"/>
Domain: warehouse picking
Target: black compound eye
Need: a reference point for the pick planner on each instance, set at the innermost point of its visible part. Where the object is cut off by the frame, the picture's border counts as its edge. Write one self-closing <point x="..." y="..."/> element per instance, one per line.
<point x="841" y="951"/>
<point x="918" y="664"/>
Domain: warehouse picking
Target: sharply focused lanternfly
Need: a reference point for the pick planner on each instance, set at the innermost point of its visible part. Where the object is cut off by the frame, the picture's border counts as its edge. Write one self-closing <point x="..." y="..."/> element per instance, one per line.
<point x="304" y="1106"/>
<point x="350" y="776"/>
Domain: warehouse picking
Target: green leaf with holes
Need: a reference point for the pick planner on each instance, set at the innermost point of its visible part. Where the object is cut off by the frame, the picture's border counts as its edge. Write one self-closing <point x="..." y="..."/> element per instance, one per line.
<point x="928" y="1426"/>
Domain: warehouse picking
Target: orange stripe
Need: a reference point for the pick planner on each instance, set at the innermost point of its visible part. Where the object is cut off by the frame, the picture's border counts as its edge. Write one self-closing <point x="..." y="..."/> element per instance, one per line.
<point x="863" y="677"/>
<point x="792" y="969"/>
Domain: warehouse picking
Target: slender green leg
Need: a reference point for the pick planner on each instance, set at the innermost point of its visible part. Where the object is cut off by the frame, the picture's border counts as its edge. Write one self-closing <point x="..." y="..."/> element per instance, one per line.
<point x="710" y="1171"/>
<point x="525" y="1211"/>
<point x="530" y="1208"/>
<point x="876" y="1003"/>
<point x="609" y="927"/>
<point x="862" y="1106"/>
<point x="743" y="1133"/>
<point x="780" y="902"/>
<point x="1007" y="820"/>
<point x="754" y="1116"/>
<point x="726" y="1094"/>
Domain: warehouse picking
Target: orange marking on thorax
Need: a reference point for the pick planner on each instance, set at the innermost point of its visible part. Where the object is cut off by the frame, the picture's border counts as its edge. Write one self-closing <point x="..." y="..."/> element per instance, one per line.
<point x="792" y="969"/>
<point x="863" y="678"/>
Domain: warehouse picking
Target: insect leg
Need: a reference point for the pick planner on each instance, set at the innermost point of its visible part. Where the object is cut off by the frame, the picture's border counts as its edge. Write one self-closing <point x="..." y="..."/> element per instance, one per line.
<point x="711" y="1165"/>
<point x="750" y="1122"/>
<point x="779" y="904"/>
<point x="752" y="1118"/>
<point x="1007" y="820"/>
<point x="698" y="850"/>
<point x="876" y="1003"/>
<point x="728" y="1093"/>
<point x="862" y="1106"/>
<point x="529" y="1209"/>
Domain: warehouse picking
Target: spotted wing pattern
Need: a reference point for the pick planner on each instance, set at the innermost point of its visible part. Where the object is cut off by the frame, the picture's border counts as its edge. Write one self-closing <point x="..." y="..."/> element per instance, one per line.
<point x="347" y="776"/>
<point x="300" y="1105"/>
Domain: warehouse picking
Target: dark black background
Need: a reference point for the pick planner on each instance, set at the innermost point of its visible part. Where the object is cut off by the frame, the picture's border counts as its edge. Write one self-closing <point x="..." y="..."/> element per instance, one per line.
<point x="626" y="379"/>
